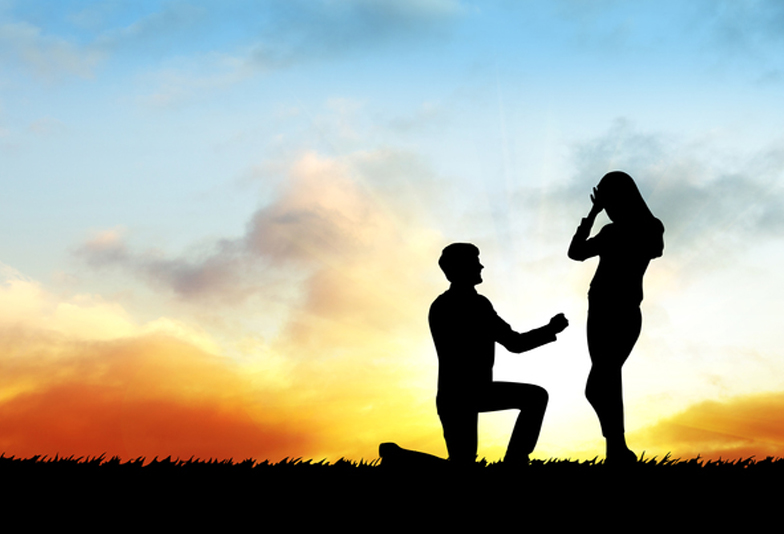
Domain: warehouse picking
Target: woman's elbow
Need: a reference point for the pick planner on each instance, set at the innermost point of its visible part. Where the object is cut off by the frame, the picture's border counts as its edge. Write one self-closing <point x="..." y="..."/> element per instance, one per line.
<point x="575" y="254"/>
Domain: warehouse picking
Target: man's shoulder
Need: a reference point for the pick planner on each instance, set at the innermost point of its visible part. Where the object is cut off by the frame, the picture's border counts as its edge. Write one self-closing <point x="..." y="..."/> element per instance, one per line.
<point x="450" y="299"/>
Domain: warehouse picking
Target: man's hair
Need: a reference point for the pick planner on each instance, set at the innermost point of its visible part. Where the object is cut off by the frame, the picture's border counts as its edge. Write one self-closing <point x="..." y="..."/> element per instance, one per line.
<point x="454" y="257"/>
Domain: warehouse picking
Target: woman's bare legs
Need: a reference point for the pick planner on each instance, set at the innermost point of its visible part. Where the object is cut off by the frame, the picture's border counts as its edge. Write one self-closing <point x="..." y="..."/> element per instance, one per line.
<point x="611" y="337"/>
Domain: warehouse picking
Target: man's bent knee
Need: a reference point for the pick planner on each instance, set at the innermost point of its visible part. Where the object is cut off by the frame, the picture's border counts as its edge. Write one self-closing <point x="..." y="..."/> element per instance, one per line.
<point x="542" y="397"/>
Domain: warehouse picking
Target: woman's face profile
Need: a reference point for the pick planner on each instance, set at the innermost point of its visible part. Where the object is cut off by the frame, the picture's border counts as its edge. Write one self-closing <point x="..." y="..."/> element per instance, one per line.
<point x="615" y="196"/>
<point x="608" y="201"/>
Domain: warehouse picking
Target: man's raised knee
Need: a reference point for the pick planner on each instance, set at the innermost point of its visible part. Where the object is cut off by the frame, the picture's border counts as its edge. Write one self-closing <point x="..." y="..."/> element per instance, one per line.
<point x="545" y="396"/>
<point x="541" y="396"/>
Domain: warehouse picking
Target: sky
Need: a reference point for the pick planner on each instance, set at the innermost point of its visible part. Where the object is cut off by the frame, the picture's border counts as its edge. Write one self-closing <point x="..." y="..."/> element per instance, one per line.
<point x="221" y="219"/>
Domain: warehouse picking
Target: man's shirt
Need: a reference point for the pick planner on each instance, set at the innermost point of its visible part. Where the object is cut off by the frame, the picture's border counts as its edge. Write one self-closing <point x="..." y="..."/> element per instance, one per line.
<point x="465" y="329"/>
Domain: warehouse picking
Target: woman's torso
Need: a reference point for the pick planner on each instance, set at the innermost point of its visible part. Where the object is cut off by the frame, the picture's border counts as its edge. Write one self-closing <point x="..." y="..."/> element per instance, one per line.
<point x="624" y="254"/>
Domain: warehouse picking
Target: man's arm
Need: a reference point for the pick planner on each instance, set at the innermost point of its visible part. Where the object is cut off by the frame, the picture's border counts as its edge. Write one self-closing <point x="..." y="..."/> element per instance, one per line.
<point x="521" y="342"/>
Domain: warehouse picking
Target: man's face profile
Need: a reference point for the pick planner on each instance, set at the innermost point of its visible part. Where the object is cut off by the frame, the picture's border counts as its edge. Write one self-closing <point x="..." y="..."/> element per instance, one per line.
<point x="460" y="263"/>
<point x="473" y="270"/>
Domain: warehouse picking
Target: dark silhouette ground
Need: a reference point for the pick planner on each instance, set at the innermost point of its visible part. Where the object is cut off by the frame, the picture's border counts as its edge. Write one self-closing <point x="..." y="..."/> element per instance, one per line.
<point x="296" y="494"/>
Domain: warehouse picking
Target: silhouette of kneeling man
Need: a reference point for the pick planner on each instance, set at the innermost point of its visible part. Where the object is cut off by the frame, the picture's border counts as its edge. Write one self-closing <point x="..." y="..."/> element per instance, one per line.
<point x="465" y="329"/>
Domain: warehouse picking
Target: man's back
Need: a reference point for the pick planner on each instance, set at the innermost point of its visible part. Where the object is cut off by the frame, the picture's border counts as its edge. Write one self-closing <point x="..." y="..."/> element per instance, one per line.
<point x="464" y="327"/>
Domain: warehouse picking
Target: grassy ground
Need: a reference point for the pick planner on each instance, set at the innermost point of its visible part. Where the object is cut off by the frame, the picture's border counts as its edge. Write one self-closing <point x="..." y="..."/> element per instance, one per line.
<point x="668" y="493"/>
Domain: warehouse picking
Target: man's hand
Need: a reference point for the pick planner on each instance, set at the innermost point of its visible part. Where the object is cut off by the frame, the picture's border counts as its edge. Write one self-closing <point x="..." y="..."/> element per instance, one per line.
<point x="558" y="323"/>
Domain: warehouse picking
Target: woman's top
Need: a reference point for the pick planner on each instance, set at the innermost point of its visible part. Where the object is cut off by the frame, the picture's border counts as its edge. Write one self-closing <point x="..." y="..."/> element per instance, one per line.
<point x="624" y="251"/>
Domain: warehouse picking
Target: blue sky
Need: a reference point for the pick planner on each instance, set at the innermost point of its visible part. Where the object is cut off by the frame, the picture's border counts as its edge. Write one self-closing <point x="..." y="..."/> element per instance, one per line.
<point x="258" y="179"/>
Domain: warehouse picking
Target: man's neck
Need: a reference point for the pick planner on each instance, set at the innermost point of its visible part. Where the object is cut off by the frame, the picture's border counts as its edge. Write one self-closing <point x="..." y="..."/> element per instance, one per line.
<point x="462" y="287"/>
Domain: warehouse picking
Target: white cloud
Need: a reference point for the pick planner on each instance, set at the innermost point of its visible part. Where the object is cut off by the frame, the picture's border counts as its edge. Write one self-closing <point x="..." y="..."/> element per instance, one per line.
<point x="47" y="56"/>
<point x="328" y="213"/>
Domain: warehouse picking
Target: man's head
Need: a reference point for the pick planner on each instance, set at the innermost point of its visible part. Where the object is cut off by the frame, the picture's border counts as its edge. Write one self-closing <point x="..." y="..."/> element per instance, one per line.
<point x="460" y="263"/>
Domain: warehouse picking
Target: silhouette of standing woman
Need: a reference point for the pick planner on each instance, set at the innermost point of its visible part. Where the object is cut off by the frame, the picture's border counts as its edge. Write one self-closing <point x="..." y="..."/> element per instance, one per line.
<point x="625" y="247"/>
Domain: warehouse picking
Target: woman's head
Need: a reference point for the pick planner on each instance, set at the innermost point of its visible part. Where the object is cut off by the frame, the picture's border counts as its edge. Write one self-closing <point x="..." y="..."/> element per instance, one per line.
<point x="621" y="199"/>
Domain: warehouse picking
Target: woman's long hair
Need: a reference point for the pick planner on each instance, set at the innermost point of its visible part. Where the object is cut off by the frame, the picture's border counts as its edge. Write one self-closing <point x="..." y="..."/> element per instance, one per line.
<point x="625" y="206"/>
<point x="622" y="200"/>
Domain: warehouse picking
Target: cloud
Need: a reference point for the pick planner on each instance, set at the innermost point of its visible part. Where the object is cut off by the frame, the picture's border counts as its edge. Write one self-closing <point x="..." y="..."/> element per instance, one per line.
<point x="47" y="126"/>
<point x="214" y="46"/>
<point x="322" y="215"/>
<point x="348" y="275"/>
<point x="713" y="202"/>
<point x="327" y="215"/>
<point x="145" y="396"/>
<point x="742" y="26"/>
<point x="159" y="33"/>
<point x="81" y="377"/>
<point x="297" y="32"/>
<point x="106" y="247"/>
<point x="301" y="31"/>
<point x="188" y="79"/>
<point x="429" y="115"/>
<point x="736" y="428"/>
<point x="187" y="278"/>
<point x="47" y="56"/>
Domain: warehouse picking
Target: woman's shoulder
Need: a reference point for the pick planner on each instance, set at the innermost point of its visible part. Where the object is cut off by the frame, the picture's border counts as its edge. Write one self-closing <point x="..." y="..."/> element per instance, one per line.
<point x="651" y="227"/>
<point x="608" y="231"/>
<point x="647" y="238"/>
<point x="655" y="229"/>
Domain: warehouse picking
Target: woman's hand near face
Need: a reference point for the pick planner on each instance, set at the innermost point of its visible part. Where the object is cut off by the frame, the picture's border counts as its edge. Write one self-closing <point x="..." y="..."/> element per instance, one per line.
<point x="597" y="204"/>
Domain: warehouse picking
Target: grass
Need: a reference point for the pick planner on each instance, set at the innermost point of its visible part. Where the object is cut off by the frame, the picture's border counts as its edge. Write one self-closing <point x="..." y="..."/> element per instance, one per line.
<point x="693" y="492"/>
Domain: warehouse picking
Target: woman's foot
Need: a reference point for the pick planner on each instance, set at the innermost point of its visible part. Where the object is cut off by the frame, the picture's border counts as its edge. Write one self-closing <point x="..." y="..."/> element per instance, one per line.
<point x="618" y="453"/>
<point x="621" y="457"/>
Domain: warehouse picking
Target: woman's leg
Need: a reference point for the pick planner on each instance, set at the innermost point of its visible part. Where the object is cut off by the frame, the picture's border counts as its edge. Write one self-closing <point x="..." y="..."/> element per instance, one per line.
<point x="611" y="337"/>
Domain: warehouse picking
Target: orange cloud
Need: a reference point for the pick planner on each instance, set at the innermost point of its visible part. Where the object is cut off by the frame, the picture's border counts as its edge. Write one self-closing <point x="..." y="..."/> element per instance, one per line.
<point x="147" y="396"/>
<point x="738" y="428"/>
<point x="349" y="364"/>
<point x="80" y="376"/>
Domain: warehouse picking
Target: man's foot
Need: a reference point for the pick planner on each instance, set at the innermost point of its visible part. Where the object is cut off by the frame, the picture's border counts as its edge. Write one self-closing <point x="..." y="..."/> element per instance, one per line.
<point x="389" y="450"/>
<point x="393" y="454"/>
<point x="517" y="462"/>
